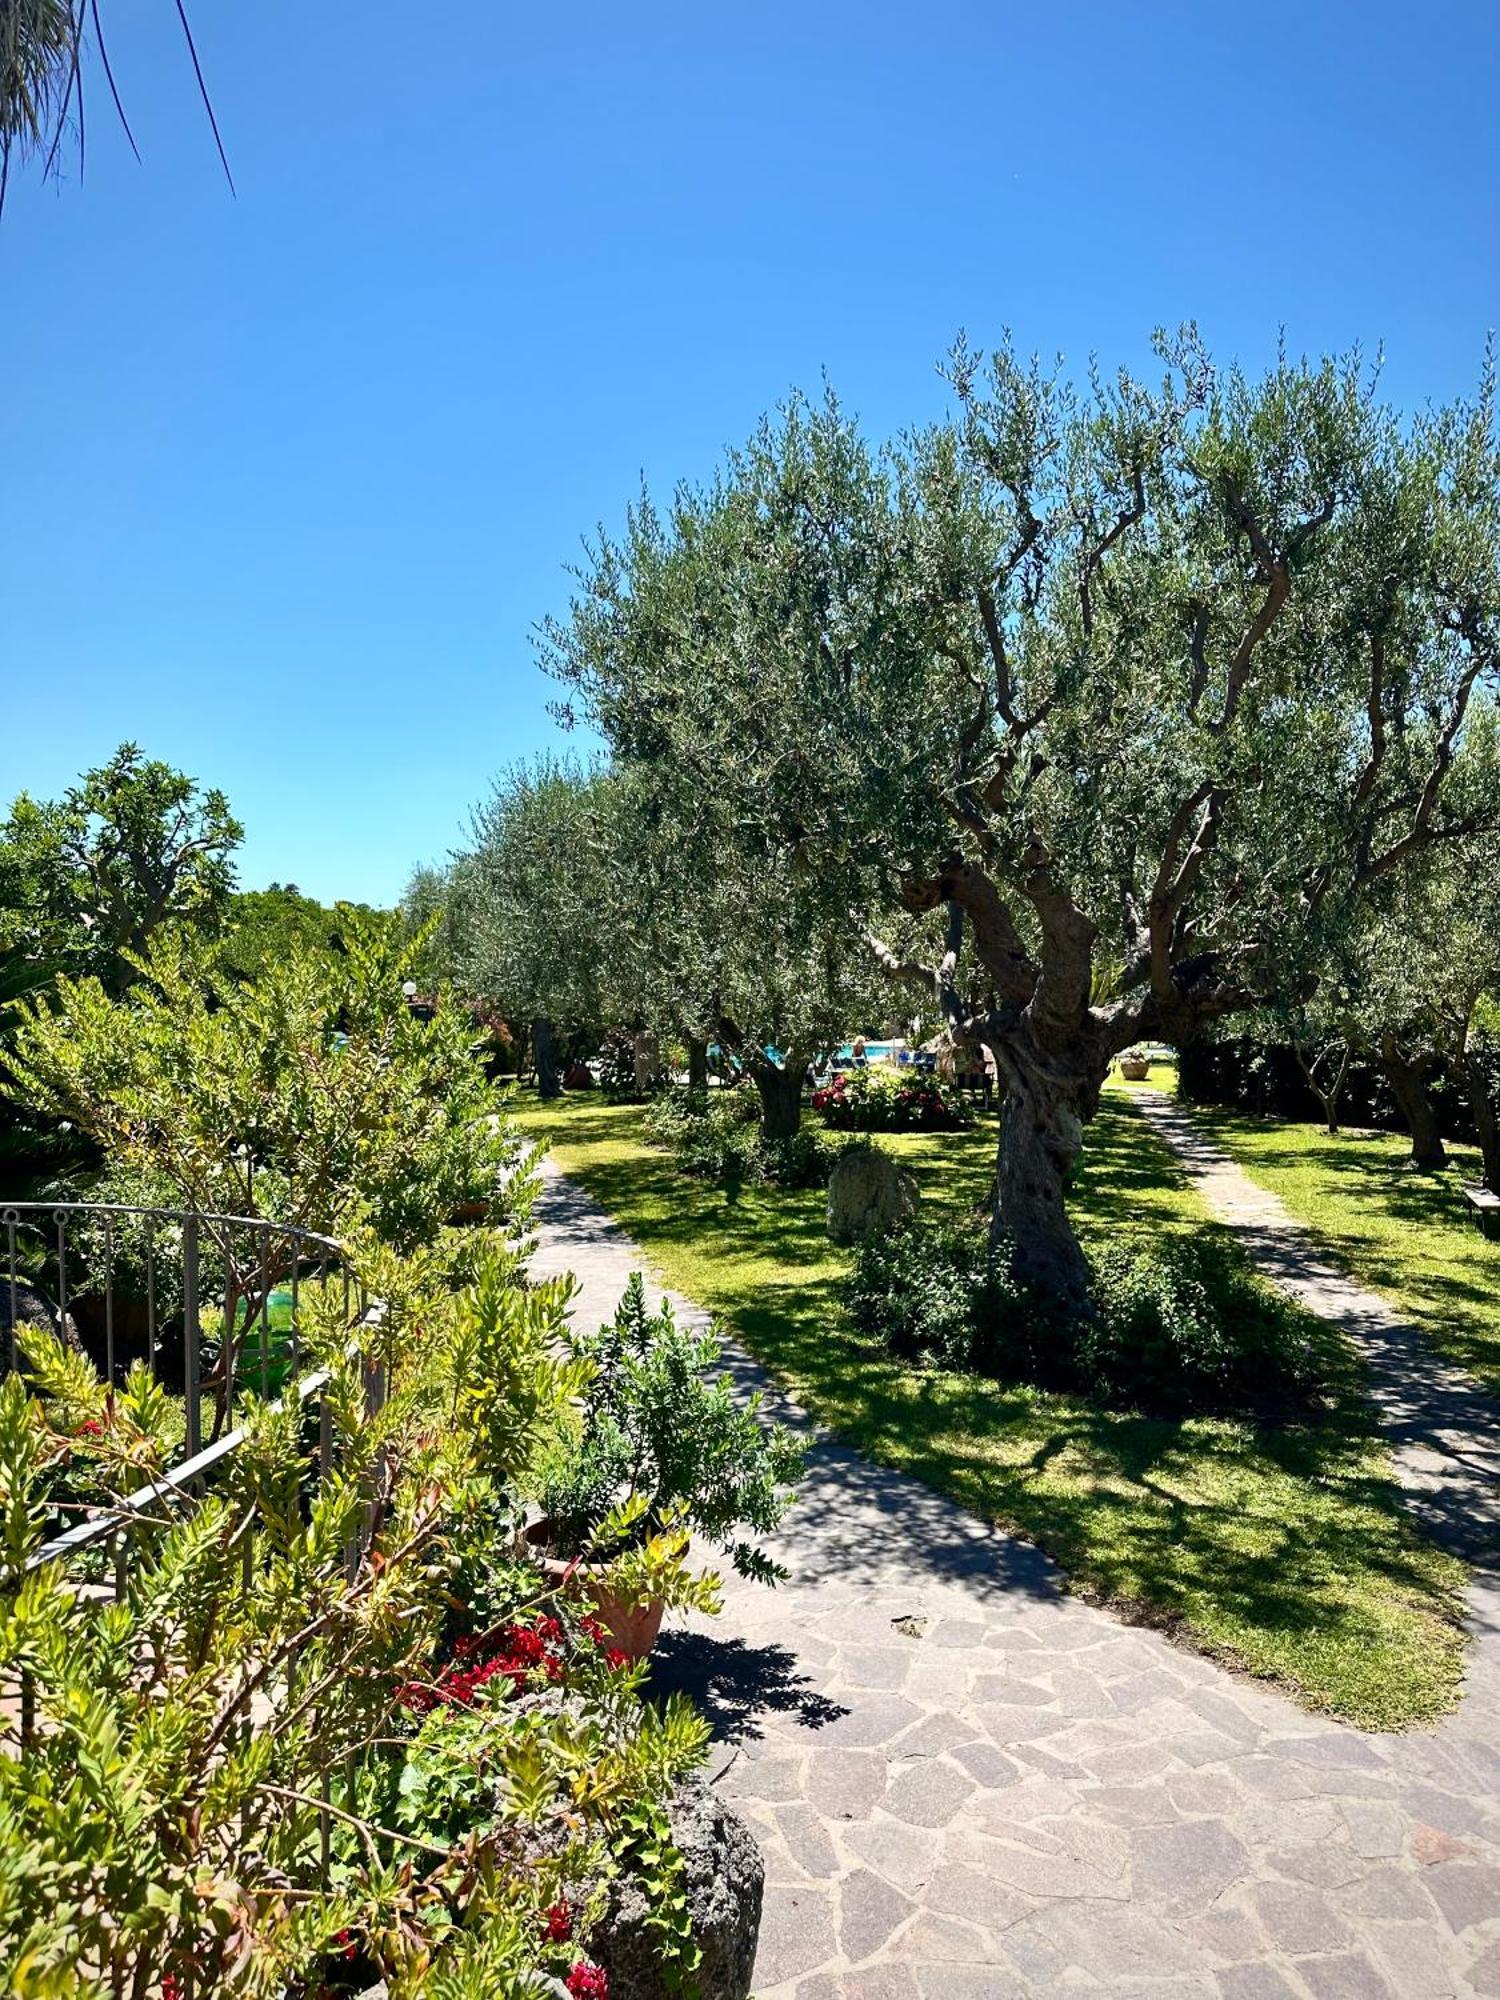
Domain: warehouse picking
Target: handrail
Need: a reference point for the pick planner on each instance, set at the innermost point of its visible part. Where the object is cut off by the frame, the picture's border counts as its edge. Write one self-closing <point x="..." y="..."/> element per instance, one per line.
<point x="116" y="1518"/>
<point x="194" y="1264"/>
<point x="18" y="1212"/>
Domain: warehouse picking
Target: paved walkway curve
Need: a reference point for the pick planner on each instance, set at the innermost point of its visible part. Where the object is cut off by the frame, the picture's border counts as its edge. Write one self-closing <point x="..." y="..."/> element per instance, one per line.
<point x="967" y="1784"/>
<point x="1444" y="1429"/>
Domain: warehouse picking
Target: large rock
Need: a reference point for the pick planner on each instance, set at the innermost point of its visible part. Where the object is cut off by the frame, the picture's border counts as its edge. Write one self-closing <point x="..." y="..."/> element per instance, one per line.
<point x="868" y="1194"/>
<point x="32" y="1308"/>
<point x="725" y="1877"/>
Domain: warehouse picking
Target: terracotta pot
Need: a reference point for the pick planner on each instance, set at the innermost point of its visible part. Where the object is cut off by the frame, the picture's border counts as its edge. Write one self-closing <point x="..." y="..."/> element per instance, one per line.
<point x="1136" y="1069"/>
<point x="632" y="1627"/>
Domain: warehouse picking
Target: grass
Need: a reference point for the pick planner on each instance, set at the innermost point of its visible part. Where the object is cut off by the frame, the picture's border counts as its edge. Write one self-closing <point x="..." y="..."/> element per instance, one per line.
<point x="1284" y="1552"/>
<point x="1405" y="1235"/>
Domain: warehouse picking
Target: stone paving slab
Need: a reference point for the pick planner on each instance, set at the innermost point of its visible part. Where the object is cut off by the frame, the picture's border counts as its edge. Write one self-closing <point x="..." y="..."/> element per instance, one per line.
<point x="967" y="1784"/>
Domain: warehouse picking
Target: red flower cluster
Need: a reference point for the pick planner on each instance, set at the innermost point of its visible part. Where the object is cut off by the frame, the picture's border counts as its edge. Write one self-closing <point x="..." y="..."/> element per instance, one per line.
<point x="171" y="1986"/>
<point x="587" y="1981"/>
<point x="345" y="1943"/>
<point x="92" y="1428"/>
<point x="557" y="1925"/>
<point x="514" y="1650"/>
<point x="915" y="1104"/>
<point x="599" y="1633"/>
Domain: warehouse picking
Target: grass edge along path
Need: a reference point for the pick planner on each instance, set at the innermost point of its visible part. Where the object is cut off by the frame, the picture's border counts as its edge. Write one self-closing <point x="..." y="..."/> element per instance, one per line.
<point x="1405" y="1235"/>
<point x="1284" y="1552"/>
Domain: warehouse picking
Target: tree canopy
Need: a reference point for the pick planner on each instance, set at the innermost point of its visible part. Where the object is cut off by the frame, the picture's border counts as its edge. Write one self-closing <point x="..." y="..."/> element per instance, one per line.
<point x="88" y="879"/>
<point x="1140" y="688"/>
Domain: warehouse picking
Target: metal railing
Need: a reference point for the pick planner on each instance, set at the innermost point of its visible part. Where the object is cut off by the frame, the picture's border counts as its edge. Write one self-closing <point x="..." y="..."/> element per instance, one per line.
<point x="209" y="1303"/>
<point x="134" y="1284"/>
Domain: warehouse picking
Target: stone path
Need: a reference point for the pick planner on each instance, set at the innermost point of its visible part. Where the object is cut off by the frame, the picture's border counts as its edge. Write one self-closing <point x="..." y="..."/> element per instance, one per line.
<point x="1444" y="1429"/>
<point x="967" y="1784"/>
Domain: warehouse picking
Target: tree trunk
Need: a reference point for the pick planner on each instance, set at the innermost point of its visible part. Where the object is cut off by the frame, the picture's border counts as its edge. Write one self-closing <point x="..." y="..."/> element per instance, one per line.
<point x="1486" y="1114"/>
<point x="780" y="1099"/>
<point x="647" y="1052"/>
<point x="697" y="1065"/>
<point x="1414" y="1101"/>
<point x="544" y="1055"/>
<point x="1328" y="1094"/>
<point x="1041" y="1136"/>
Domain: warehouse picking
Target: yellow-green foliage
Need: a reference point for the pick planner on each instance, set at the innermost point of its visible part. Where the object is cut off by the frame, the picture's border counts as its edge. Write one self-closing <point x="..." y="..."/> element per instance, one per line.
<point x="161" y="1813"/>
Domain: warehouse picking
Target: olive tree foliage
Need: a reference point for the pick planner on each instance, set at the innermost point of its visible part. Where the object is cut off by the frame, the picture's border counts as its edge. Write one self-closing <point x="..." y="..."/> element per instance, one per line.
<point x="1430" y="1000"/>
<point x="525" y="913"/>
<point x="584" y="902"/>
<point x="1165" y="675"/>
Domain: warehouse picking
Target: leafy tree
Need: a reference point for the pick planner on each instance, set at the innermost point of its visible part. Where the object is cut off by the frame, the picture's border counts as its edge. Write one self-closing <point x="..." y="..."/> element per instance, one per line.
<point x="1167" y="676"/>
<point x="312" y="1098"/>
<point x="588" y="897"/>
<point x="529" y="906"/>
<point x="87" y="880"/>
<point x="264" y="928"/>
<point x="1429" y="1004"/>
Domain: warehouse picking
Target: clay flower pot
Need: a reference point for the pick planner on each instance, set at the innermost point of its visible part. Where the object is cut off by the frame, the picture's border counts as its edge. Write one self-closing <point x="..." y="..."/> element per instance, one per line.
<point x="1135" y="1068"/>
<point x="631" y="1627"/>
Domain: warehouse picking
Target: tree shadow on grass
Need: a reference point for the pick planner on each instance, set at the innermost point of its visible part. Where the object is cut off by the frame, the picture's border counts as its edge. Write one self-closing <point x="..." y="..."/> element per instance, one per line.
<point x="1284" y="1546"/>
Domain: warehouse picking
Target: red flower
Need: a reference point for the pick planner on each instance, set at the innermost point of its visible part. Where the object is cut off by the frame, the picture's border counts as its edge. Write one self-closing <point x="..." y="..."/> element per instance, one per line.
<point x="617" y="1656"/>
<point x="557" y="1925"/>
<point x="171" y="1986"/>
<point x="92" y="1428"/>
<point x="551" y="1630"/>
<point x="342" y="1938"/>
<point x="587" y="1982"/>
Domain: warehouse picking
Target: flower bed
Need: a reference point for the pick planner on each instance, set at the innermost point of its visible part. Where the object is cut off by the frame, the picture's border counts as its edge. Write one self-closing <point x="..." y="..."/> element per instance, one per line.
<point x="883" y="1099"/>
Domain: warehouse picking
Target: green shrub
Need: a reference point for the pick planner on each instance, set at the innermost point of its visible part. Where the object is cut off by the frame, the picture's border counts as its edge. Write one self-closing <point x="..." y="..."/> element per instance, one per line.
<point x="660" y="1433"/>
<point x="717" y="1137"/>
<point x="370" y="1638"/>
<point x="885" y="1098"/>
<point x="1174" y="1327"/>
<point x="1189" y="1326"/>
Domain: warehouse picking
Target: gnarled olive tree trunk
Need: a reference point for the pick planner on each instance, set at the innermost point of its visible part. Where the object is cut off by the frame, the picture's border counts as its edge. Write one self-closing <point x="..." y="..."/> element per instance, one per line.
<point x="544" y="1056"/>
<point x="1047" y="1097"/>
<point x="780" y="1097"/>
<point x="1408" y="1081"/>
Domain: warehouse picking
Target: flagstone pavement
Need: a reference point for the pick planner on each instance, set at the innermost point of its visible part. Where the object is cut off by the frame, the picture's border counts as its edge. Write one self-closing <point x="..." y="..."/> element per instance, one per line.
<point x="968" y="1784"/>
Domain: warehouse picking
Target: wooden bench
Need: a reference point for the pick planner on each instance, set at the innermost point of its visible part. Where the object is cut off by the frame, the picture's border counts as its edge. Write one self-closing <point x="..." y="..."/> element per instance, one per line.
<point x="1485" y="1206"/>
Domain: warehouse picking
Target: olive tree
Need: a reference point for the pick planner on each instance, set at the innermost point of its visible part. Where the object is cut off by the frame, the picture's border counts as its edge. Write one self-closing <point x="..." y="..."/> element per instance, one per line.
<point x="1160" y="675"/>
<point x="594" y="897"/>
<point x="1433" y="996"/>
<point x="526" y="906"/>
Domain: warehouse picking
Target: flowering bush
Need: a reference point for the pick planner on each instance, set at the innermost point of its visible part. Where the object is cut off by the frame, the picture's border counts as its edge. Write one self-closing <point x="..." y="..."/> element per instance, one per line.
<point x="297" y="1751"/>
<point x="885" y="1099"/>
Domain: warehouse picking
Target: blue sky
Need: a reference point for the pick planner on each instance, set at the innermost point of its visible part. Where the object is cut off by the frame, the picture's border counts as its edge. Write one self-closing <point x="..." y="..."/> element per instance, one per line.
<point x="287" y="480"/>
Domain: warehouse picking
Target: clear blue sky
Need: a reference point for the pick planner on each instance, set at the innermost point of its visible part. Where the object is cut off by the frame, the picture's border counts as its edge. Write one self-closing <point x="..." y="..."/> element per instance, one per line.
<point x="286" y="481"/>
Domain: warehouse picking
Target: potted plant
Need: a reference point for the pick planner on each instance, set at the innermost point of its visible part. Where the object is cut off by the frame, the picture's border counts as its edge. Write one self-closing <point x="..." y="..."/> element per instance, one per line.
<point x="1135" y="1065"/>
<point x="656" y="1451"/>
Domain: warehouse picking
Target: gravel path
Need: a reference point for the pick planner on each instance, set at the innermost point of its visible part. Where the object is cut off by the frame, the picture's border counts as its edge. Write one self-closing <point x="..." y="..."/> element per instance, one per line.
<point x="967" y="1784"/>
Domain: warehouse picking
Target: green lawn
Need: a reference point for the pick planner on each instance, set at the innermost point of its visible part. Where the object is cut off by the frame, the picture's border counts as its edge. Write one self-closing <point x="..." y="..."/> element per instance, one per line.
<point x="1405" y="1235"/>
<point x="1282" y="1551"/>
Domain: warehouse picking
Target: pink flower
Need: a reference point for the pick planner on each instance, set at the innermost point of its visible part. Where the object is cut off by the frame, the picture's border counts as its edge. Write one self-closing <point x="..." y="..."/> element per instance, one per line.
<point x="587" y="1981"/>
